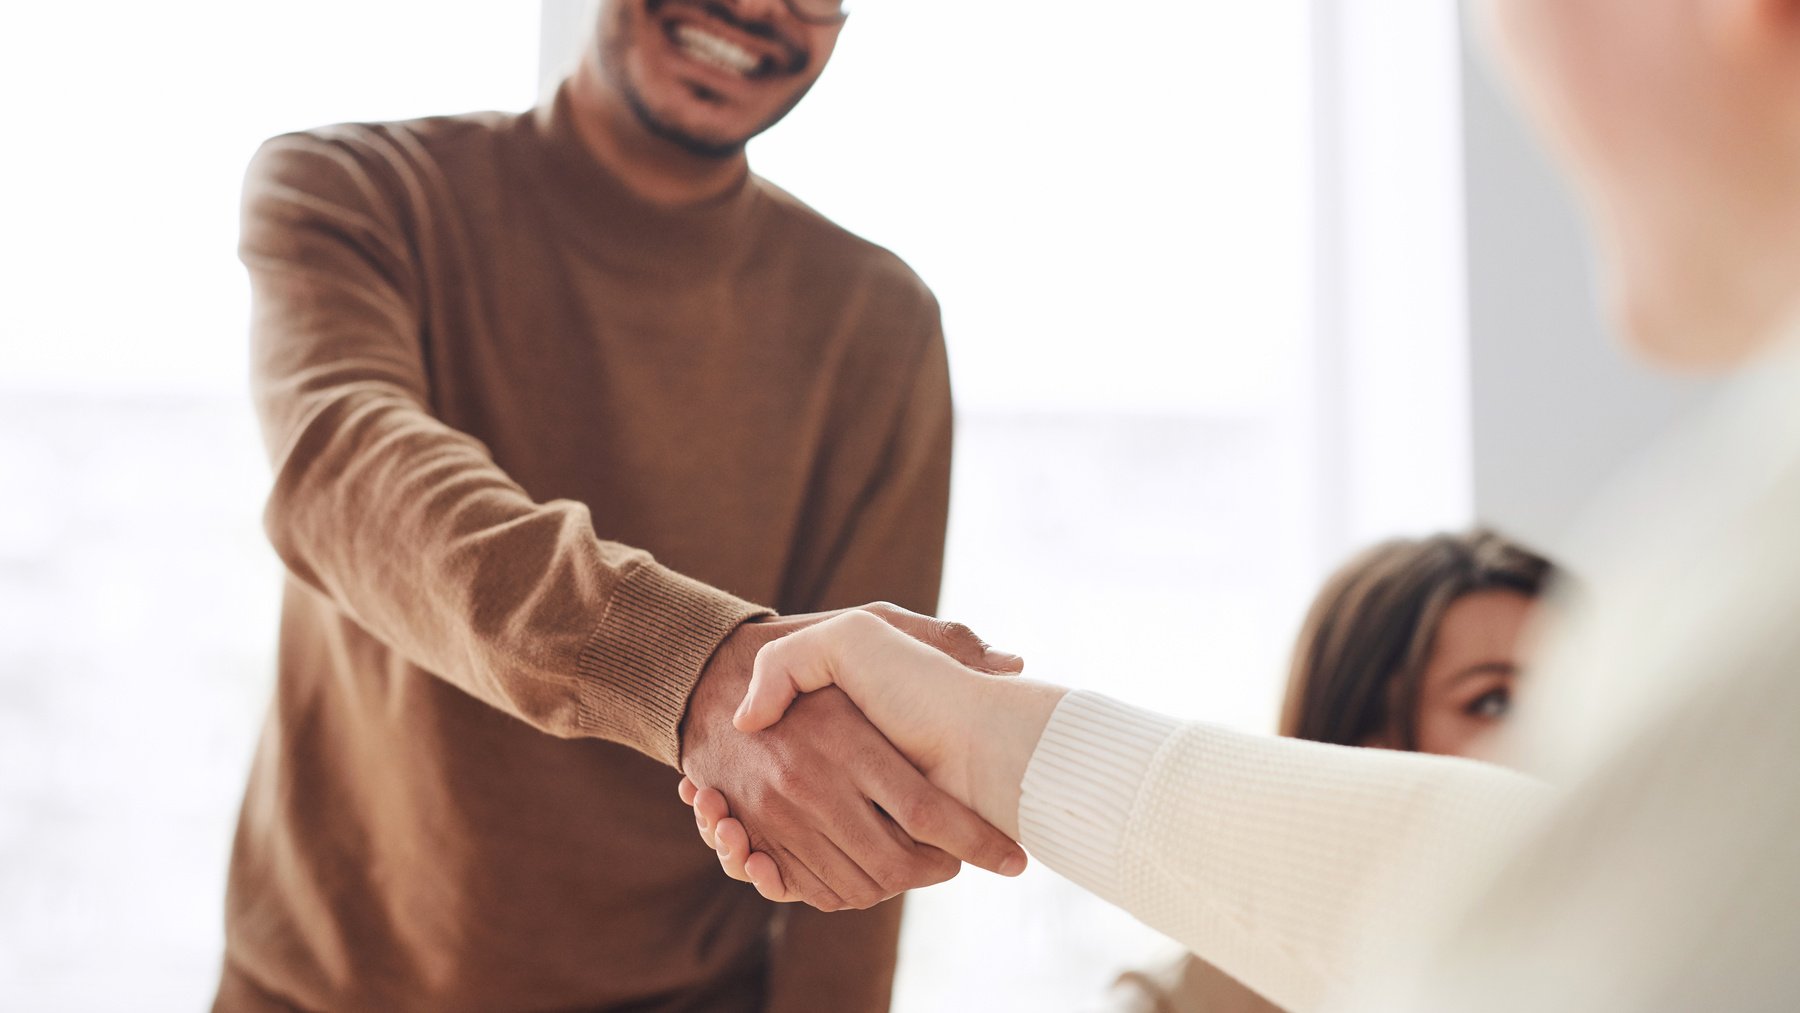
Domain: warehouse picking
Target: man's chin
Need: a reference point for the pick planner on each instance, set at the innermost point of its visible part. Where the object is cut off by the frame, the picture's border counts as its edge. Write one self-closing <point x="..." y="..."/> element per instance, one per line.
<point x="699" y="144"/>
<point x="697" y="141"/>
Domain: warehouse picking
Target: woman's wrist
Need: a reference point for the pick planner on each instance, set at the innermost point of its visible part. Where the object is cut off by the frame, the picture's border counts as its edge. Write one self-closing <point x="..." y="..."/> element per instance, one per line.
<point x="1004" y="729"/>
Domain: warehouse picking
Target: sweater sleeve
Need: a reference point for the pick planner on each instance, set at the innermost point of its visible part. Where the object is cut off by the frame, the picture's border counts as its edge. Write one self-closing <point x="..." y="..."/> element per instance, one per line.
<point x="1273" y="859"/>
<point x="406" y="524"/>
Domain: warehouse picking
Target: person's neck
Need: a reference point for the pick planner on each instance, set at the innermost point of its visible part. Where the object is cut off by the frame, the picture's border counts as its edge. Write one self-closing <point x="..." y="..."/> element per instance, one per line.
<point x="654" y="168"/>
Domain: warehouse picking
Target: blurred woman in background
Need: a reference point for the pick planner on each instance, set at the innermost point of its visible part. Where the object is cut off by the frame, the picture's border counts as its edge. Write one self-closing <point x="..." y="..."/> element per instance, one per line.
<point x="1412" y="644"/>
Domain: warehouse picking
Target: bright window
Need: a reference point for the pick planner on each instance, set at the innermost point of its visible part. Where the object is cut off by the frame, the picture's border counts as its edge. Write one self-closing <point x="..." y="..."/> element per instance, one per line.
<point x="138" y="597"/>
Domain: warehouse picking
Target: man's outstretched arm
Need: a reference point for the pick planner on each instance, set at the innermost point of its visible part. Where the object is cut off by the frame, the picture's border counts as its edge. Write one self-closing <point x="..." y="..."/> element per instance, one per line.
<point x="406" y="524"/>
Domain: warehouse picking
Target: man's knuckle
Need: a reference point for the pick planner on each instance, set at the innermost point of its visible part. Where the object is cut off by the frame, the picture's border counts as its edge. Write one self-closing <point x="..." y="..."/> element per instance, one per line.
<point x="940" y="868"/>
<point x="895" y="876"/>
<point x="864" y="897"/>
<point x="875" y="754"/>
<point x="920" y="815"/>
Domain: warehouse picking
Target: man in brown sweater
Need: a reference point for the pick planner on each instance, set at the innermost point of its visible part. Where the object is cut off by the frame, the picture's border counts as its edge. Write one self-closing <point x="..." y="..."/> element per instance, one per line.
<point x="552" y="398"/>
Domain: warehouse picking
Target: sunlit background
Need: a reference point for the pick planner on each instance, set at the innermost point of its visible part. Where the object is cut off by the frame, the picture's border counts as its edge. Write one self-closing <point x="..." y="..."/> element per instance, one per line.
<point x="1207" y="272"/>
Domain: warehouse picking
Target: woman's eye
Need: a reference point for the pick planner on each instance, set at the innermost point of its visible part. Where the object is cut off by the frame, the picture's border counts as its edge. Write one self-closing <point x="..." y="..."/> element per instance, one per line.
<point x="1491" y="705"/>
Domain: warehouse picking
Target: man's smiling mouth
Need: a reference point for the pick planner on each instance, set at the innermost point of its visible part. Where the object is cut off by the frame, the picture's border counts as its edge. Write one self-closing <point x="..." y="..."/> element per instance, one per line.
<point x="717" y="51"/>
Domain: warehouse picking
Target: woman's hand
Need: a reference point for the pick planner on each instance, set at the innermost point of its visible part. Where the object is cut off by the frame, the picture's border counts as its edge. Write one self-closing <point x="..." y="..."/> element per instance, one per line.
<point x="918" y="697"/>
<point x="970" y="734"/>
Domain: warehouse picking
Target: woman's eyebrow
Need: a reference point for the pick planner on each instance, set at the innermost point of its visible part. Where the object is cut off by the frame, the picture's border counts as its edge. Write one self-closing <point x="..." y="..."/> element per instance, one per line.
<point x="1486" y="668"/>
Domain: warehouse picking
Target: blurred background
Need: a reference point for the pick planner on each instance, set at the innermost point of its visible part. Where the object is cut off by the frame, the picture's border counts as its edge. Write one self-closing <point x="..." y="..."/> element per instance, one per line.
<point x="1230" y="289"/>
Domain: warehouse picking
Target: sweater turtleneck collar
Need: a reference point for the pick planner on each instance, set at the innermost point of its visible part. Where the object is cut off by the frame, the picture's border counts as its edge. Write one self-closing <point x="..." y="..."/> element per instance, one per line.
<point x="598" y="211"/>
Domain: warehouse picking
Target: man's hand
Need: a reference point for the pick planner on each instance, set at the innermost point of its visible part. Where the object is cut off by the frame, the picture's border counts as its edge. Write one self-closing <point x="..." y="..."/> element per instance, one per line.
<point x="846" y="819"/>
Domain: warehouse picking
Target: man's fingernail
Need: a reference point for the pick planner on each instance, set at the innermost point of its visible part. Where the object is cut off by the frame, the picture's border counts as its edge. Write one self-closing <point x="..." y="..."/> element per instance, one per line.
<point x="1004" y="659"/>
<point x="1014" y="864"/>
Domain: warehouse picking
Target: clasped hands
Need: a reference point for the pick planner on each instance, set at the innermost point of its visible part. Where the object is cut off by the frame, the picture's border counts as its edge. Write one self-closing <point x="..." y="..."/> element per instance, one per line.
<point x="845" y="758"/>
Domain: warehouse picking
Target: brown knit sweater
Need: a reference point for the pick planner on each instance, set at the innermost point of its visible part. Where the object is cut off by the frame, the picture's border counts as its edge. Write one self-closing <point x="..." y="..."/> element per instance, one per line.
<point x="537" y="447"/>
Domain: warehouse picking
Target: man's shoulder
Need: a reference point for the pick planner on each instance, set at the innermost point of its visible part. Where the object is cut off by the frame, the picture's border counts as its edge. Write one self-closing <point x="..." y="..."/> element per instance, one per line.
<point x="431" y="133"/>
<point x="834" y="252"/>
<point x="380" y="151"/>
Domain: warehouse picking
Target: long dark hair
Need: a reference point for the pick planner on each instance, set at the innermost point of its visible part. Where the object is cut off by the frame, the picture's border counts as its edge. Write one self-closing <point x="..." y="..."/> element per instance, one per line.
<point x="1361" y="656"/>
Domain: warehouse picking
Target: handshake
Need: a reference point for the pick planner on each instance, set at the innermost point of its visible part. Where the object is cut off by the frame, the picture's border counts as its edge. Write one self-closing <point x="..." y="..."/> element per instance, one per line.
<point x="844" y="758"/>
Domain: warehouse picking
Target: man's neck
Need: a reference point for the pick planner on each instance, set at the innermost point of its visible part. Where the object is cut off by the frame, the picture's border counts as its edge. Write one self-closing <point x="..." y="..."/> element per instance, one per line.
<point x="651" y="167"/>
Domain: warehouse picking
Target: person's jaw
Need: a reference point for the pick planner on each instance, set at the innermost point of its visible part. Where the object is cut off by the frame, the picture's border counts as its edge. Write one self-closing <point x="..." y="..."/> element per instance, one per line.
<point x="706" y="79"/>
<point x="1692" y="292"/>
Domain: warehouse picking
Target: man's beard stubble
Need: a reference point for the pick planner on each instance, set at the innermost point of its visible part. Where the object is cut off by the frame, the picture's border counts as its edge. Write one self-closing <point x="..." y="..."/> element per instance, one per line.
<point x="618" y="38"/>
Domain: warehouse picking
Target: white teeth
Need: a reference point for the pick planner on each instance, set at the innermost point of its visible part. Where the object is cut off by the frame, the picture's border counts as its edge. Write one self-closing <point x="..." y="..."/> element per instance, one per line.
<point x="705" y="46"/>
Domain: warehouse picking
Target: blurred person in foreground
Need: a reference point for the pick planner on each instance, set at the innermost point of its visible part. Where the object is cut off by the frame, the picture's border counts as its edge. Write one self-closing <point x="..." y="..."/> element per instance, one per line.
<point x="1645" y="855"/>
<point x="1412" y="644"/>
<point x="556" y="403"/>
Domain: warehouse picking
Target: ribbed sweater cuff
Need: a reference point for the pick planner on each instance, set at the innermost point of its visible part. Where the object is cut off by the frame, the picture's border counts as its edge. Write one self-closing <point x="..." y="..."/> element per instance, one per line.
<point x="1082" y="782"/>
<point x="641" y="663"/>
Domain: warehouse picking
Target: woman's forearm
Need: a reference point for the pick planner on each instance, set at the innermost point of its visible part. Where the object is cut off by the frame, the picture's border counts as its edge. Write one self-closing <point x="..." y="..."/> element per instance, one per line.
<point x="1274" y="859"/>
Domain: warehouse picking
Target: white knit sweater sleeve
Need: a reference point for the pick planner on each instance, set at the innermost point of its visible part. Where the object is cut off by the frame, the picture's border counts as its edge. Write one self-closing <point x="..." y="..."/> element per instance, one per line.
<point x="1274" y="859"/>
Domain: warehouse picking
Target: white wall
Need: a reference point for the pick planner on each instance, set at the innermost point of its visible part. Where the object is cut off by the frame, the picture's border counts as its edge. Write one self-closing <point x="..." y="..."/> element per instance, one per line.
<point x="1557" y="406"/>
<point x="138" y="592"/>
<point x="1390" y="361"/>
<point x="561" y="34"/>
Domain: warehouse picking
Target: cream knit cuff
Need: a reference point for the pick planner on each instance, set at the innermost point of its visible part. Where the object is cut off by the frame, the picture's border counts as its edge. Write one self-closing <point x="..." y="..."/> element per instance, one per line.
<point x="1082" y="782"/>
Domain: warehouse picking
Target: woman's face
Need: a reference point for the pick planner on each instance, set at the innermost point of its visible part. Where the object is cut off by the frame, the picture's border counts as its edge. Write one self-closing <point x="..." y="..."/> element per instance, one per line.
<point x="1678" y="121"/>
<point x="1467" y="686"/>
